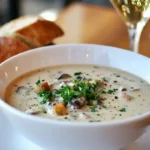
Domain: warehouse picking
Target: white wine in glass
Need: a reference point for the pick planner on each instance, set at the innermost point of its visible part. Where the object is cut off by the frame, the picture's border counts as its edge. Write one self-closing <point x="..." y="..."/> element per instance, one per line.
<point x="135" y="13"/>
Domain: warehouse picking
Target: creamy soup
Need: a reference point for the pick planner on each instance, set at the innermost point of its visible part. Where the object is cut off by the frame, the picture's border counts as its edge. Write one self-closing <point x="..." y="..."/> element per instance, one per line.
<point x="83" y="93"/>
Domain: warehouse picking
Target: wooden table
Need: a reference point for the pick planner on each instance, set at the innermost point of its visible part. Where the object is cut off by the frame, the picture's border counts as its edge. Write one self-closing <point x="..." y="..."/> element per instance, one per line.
<point x="84" y="23"/>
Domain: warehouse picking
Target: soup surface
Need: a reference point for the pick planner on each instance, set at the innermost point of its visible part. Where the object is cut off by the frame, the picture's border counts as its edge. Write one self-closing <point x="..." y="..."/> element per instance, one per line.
<point x="83" y="93"/>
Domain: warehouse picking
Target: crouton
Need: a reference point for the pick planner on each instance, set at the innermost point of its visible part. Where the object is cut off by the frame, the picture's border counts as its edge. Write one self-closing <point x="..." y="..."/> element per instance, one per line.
<point x="60" y="109"/>
<point x="45" y="86"/>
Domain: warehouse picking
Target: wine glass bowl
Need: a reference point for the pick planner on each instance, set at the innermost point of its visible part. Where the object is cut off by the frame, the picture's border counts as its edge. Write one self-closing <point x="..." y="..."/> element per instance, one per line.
<point x="135" y="14"/>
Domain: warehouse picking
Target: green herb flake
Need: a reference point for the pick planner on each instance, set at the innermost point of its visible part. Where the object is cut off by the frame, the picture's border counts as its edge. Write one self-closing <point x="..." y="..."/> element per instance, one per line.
<point x="111" y="91"/>
<point x="91" y="120"/>
<point x="94" y="121"/>
<point x="77" y="73"/>
<point x="104" y="79"/>
<point x="90" y="103"/>
<point x="96" y="67"/>
<point x="117" y="75"/>
<point x="76" y="80"/>
<point x="80" y="89"/>
<point x="93" y="108"/>
<point x="46" y="95"/>
<point x="103" y="106"/>
<point x="103" y="90"/>
<point x="67" y="94"/>
<point x="38" y="82"/>
<point x="44" y="111"/>
<point x="123" y="109"/>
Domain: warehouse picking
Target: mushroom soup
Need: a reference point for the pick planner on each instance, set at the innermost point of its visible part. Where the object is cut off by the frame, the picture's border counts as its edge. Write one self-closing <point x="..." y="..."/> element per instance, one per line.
<point x="83" y="93"/>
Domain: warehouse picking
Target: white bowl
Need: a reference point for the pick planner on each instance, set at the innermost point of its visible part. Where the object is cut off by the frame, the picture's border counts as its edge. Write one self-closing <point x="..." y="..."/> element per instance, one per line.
<point x="58" y="135"/>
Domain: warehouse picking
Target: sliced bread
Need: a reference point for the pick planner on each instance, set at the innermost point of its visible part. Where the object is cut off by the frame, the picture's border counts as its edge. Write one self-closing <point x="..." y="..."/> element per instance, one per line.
<point x="10" y="46"/>
<point x="32" y="30"/>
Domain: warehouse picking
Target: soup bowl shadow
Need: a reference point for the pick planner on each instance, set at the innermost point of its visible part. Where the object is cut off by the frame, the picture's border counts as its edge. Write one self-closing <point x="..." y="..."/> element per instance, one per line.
<point x="55" y="135"/>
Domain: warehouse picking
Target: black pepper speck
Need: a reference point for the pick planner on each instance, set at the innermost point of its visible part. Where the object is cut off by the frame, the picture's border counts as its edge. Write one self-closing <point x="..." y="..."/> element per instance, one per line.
<point x="116" y="97"/>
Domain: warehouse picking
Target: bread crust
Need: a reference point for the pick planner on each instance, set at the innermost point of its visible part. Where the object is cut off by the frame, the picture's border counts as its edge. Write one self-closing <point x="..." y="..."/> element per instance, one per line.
<point x="25" y="33"/>
<point x="41" y="32"/>
<point x="10" y="46"/>
<point x="32" y="30"/>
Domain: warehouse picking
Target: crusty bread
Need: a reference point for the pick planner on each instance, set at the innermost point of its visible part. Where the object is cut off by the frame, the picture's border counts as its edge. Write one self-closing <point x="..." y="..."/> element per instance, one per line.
<point x="32" y="30"/>
<point x="10" y="46"/>
<point x="25" y="33"/>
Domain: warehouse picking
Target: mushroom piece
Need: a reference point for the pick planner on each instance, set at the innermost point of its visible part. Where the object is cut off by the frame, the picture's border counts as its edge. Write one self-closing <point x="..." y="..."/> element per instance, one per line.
<point x="122" y="89"/>
<point x="64" y="76"/>
<point x="33" y="111"/>
<point x="84" y="116"/>
<point x="128" y="97"/>
<point x="78" y="103"/>
<point x="101" y="84"/>
<point x="100" y="100"/>
<point x="18" y="90"/>
<point x="101" y="97"/>
<point x="135" y="89"/>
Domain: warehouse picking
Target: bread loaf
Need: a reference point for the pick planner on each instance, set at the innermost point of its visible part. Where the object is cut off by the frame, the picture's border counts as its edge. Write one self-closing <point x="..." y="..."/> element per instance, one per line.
<point x="32" y="30"/>
<point x="25" y="33"/>
<point x="10" y="46"/>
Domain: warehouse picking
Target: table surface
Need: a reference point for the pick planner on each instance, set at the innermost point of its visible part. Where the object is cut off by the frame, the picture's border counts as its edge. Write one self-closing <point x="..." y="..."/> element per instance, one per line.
<point x="83" y="23"/>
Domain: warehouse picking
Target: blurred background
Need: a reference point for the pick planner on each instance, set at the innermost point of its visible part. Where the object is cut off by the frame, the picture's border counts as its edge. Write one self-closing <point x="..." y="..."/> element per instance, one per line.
<point x="10" y="9"/>
<point x="77" y="21"/>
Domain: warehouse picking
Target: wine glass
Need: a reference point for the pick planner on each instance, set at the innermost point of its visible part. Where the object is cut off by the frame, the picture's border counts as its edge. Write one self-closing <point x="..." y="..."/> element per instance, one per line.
<point x="135" y="13"/>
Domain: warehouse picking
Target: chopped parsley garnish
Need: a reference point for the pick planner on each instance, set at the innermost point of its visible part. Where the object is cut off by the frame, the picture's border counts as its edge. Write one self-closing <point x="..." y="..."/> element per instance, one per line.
<point x="123" y="109"/>
<point x="67" y="94"/>
<point x="90" y="102"/>
<point x="103" y="106"/>
<point x="46" y="95"/>
<point x="91" y="120"/>
<point x="86" y="90"/>
<point x="102" y="91"/>
<point x="89" y="91"/>
<point x="94" y="121"/>
<point x="93" y="108"/>
<point x="77" y="73"/>
<point x="38" y="82"/>
<point x="104" y="79"/>
<point x="44" y="111"/>
<point x="95" y="66"/>
<point x="112" y="91"/>
<point x="76" y="80"/>
<point x="118" y="75"/>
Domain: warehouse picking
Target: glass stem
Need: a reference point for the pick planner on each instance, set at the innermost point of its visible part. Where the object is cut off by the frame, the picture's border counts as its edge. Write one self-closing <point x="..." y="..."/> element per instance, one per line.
<point x="135" y="34"/>
<point x="132" y="35"/>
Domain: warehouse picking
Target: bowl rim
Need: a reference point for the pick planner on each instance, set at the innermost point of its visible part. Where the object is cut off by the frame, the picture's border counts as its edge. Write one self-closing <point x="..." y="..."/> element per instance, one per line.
<point x="14" y="111"/>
